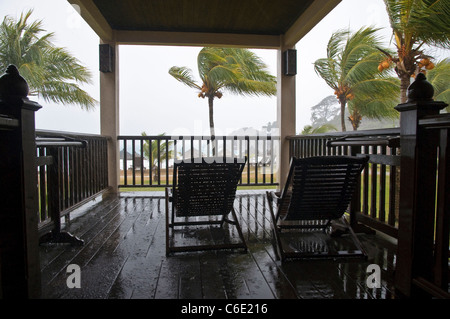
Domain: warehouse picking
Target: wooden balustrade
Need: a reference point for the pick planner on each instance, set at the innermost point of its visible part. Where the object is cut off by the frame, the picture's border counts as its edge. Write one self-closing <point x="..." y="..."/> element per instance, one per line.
<point x="152" y="168"/>
<point x="72" y="169"/>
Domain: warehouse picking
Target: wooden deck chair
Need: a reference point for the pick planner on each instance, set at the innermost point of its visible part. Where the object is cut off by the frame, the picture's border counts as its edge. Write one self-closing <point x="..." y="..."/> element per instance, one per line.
<point x="318" y="190"/>
<point x="203" y="193"/>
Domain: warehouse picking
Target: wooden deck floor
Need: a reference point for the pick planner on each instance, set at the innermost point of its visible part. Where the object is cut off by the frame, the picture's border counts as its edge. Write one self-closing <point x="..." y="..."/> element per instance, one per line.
<point x="124" y="257"/>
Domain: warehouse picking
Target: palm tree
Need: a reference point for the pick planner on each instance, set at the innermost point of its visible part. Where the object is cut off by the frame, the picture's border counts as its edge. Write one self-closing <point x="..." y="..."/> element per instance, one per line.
<point x="237" y="70"/>
<point x="439" y="77"/>
<point x="151" y="152"/>
<point x="375" y="100"/>
<point x="416" y="24"/>
<point x="351" y="70"/>
<point x="51" y="72"/>
<point x="309" y="129"/>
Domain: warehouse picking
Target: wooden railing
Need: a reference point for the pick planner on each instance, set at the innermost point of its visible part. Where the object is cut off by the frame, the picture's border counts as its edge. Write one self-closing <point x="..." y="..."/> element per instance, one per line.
<point x="411" y="204"/>
<point x="150" y="167"/>
<point x="438" y="219"/>
<point x="72" y="169"/>
<point x="424" y="225"/>
<point x="376" y="205"/>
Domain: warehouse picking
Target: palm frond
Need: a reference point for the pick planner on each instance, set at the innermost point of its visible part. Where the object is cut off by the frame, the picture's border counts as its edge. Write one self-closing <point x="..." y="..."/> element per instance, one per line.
<point x="238" y="70"/>
<point x="66" y="93"/>
<point x="61" y="65"/>
<point x="221" y="75"/>
<point x="415" y="21"/>
<point x="309" y="129"/>
<point x="376" y="98"/>
<point x="252" y="87"/>
<point x="366" y="68"/>
<point x="360" y="46"/>
<point x="184" y="75"/>
<point x="328" y="69"/>
<point x="208" y="58"/>
<point x="51" y="72"/>
<point x="335" y="43"/>
<point x="439" y="77"/>
<point x="154" y="152"/>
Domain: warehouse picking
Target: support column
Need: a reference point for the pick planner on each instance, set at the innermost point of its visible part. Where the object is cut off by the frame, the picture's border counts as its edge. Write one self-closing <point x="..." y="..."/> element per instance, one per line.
<point x="285" y="112"/>
<point x="109" y="108"/>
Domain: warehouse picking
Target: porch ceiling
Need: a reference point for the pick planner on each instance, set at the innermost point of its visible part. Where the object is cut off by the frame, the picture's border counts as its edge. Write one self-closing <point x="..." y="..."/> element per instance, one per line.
<point x="119" y="20"/>
<point x="231" y="16"/>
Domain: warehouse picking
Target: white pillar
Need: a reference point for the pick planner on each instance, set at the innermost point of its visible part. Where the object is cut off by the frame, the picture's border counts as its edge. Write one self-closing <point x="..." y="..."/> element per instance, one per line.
<point x="109" y="116"/>
<point x="285" y="114"/>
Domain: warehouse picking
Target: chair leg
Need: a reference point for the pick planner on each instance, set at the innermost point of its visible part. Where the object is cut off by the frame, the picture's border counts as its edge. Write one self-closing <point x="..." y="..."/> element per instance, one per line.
<point x="355" y="238"/>
<point x="173" y="249"/>
<point x="278" y="246"/>
<point x="167" y="223"/>
<point x="239" y="229"/>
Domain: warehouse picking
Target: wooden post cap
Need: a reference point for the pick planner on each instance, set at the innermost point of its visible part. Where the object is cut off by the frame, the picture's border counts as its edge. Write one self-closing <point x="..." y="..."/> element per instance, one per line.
<point x="420" y="89"/>
<point x="13" y="84"/>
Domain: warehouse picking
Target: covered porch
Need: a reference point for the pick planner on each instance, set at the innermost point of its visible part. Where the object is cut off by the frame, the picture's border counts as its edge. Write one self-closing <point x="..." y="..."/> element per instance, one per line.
<point x="122" y="251"/>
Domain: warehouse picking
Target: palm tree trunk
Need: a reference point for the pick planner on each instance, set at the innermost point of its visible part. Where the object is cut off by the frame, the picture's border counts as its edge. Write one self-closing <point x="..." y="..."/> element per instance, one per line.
<point x="404" y="84"/>
<point x="342" y="102"/>
<point x="211" y="124"/>
<point x="405" y="81"/>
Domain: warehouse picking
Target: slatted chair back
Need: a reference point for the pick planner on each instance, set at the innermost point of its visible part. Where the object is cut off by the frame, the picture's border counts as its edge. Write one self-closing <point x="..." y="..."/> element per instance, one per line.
<point x="320" y="188"/>
<point x="206" y="186"/>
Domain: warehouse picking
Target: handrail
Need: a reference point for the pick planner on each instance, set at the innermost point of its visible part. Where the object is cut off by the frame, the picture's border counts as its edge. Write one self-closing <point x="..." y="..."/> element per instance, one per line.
<point x="373" y="132"/>
<point x="365" y="141"/>
<point x="59" y="142"/>
<point x="435" y="121"/>
<point x="7" y="122"/>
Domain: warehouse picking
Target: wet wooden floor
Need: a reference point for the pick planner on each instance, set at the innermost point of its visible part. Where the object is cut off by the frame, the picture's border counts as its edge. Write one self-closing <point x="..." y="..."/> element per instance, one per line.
<point x="124" y="257"/>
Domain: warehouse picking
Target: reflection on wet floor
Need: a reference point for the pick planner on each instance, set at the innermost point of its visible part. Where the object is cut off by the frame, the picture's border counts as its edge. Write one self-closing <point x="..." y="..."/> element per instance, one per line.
<point x="124" y="257"/>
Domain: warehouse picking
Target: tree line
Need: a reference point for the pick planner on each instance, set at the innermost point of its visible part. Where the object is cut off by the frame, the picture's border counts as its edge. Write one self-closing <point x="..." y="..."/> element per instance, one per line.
<point x="368" y="79"/>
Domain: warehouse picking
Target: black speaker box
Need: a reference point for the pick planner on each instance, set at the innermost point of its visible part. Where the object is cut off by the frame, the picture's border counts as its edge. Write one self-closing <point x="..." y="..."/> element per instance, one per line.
<point x="106" y="55"/>
<point x="290" y="62"/>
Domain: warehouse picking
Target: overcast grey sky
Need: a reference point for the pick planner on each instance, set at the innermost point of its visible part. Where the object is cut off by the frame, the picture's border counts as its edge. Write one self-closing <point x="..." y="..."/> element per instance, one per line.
<point x="152" y="101"/>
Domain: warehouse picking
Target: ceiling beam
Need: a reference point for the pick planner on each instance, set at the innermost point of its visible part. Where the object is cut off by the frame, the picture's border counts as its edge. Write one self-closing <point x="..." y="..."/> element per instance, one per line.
<point x="310" y="18"/>
<point x="197" y="39"/>
<point x="90" y="13"/>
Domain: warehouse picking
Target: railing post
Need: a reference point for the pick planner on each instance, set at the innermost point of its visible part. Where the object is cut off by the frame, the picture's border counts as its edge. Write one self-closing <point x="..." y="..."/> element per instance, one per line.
<point x="417" y="188"/>
<point x="355" y="204"/>
<point x="19" y="253"/>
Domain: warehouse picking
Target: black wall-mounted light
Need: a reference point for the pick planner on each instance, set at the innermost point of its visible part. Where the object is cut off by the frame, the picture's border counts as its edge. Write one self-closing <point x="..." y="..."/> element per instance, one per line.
<point x="106" y="56"/>
<point x="290" y="62"/>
